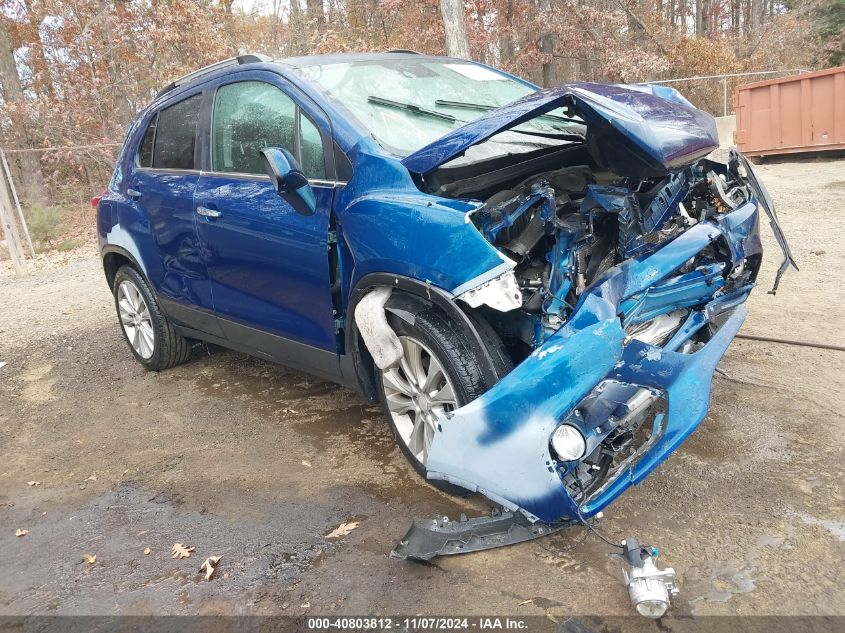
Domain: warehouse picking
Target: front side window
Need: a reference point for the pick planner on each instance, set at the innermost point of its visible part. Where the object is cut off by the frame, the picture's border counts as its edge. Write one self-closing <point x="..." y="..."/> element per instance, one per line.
<point x="176" y="135"/>
<point x="252" y="115"/>
<point x="248" y="117"/>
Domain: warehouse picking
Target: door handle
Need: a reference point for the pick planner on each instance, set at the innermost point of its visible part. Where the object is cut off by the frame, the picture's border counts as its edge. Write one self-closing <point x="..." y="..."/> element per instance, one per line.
<point x="133" y="193"/>
<point x="208" y="213"/>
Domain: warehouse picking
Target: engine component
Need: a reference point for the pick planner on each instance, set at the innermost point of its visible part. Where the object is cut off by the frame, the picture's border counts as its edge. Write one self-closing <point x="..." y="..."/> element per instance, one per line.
<point x="564" y="230"/>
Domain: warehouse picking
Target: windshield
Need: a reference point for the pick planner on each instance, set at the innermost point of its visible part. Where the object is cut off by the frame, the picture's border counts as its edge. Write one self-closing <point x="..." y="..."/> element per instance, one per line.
<point x="407" y="104"/>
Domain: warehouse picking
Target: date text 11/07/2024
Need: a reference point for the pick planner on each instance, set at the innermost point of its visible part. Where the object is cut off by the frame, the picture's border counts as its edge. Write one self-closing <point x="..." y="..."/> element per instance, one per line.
<point x="417" y="623"/>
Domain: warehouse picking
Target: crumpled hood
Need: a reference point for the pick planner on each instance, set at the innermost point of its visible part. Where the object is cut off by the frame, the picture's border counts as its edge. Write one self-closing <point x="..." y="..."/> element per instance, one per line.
<point x="637" y="130"/>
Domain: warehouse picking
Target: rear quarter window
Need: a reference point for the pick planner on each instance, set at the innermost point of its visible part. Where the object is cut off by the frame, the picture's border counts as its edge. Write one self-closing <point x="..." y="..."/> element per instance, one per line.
<point x="145" y="152"/>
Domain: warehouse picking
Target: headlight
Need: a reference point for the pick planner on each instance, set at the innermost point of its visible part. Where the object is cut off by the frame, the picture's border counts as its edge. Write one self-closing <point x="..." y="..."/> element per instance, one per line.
<point x="568" y="443"/>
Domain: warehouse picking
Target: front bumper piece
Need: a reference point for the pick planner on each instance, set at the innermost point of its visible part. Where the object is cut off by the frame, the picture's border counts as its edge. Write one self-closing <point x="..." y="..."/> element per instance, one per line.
<point x="591" y="374"/>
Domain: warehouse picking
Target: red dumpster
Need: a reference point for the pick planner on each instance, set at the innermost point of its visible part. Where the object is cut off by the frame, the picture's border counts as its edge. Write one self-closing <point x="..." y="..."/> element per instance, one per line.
<point x="802" y="113"/>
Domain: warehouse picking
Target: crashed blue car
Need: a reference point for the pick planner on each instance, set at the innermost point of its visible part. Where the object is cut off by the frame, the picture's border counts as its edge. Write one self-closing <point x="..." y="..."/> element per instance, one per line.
<point x="536" y="284"/>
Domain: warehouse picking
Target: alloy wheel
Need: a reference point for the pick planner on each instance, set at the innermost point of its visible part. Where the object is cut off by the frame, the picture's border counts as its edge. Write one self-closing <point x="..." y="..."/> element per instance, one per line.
<point x="135" y="319"/>
<point x="417" y="392"/>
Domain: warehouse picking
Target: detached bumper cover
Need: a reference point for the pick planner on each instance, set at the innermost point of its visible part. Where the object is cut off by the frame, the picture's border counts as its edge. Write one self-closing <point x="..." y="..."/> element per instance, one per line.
<point x="499" y="444"/>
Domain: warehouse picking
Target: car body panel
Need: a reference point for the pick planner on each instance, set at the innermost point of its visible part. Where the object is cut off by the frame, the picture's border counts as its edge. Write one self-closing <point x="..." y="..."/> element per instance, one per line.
<point x="392" y="227"/>
<point x="657" y="133"/>
<point x="252" y="284"/>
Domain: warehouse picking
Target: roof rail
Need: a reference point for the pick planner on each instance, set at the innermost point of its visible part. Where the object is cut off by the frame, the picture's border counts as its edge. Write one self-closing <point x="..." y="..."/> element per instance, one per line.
<point x="249" y="58"/>
<point x="404" y="50"/>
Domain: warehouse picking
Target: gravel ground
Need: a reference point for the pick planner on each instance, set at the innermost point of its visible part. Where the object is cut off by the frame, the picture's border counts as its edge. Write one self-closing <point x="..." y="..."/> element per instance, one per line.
<point x="244" y="459"/>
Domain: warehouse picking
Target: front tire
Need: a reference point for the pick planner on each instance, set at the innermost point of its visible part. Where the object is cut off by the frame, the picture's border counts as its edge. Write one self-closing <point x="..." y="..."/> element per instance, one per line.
<point x="150" y="335"/>
<point x="440" y="371"/>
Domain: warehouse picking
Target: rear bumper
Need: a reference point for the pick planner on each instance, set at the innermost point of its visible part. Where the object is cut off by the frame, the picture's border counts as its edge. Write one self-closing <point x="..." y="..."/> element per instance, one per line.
<point x="499" y="444"/>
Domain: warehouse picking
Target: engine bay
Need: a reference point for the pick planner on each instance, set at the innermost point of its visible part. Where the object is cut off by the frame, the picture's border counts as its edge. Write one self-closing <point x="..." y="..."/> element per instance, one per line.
<point x="565" y="228"/>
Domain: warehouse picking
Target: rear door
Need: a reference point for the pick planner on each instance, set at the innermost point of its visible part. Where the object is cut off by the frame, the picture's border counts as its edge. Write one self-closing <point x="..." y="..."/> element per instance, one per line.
<point x="163" y="184"/>
<point x="268" y="264"/>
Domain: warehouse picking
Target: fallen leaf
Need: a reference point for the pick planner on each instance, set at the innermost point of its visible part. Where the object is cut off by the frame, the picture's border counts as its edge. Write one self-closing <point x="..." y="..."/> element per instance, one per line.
<point x="343" y="529"/>
<point x="289" y="411"/>
<point x="33" y="483"/>
<point x="180" y="551"/>
<point x="20" y="532"/>
<point x="210" y="566"/>
<point x="306" y="463"/>
<point x="147" y="551"/>
<point x="89" y="558"/>
<point x="92" y="477"/>
<point x="305" y="605"/>
<point x="524" y="602"/>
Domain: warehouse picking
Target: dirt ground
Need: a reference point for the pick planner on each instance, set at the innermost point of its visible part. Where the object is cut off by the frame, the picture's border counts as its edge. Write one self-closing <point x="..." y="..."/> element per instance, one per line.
<point x="255" y="463"/>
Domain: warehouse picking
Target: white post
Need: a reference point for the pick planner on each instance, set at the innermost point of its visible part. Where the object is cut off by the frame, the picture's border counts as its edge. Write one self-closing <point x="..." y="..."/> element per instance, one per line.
<point x="17" y="202"/>
<point x="10" y="229"/>
<point x="725" y="96"/>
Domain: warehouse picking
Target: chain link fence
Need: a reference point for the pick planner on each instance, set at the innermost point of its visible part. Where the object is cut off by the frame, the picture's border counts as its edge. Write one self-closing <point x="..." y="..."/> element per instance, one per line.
<point x="713" y="93"/>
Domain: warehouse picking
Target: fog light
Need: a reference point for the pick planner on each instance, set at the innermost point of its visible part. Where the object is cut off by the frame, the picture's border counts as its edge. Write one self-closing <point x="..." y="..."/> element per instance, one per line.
<point x="568" y="443"/>
<point x="649" y="587"/>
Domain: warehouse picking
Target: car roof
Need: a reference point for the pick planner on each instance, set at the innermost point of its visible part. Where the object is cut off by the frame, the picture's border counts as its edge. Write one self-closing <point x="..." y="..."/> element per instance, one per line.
<point x="221" y="68"/>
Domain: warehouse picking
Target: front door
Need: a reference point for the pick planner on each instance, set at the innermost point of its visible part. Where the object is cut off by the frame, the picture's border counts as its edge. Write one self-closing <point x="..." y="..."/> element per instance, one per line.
<point x="267" y="263"/>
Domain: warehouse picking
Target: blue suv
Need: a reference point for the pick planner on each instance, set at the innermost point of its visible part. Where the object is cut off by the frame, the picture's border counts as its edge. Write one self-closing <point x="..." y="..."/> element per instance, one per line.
<point x="536" y="284"/>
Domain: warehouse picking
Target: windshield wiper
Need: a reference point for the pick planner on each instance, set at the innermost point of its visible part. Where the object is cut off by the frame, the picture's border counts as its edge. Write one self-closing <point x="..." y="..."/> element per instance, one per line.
<point x="487" y="108"/>
<point x="410" y="107"/>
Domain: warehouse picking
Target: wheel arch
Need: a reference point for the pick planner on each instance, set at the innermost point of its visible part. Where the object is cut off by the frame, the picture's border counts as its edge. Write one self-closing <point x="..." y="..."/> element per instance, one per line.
<point x="114" y="257"/>
<point x="410" y="297"/>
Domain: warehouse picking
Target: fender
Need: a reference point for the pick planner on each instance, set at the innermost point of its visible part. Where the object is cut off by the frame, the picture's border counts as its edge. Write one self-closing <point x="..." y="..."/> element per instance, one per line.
<point x="415" y="296"/>
<point x="112" y="249"/>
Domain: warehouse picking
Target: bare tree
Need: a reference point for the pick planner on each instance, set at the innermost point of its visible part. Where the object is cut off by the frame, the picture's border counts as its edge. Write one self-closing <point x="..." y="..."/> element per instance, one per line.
<point x="13" y="94"/>
<point x="452" y="12"/>
<point x="547" y="47"/>
<point x="315" y="11"/>
<point x="756" y="14"/>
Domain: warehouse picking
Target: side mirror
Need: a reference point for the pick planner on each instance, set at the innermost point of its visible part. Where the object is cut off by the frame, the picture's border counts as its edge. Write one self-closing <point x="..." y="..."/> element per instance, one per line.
<point x="289" y="180"/>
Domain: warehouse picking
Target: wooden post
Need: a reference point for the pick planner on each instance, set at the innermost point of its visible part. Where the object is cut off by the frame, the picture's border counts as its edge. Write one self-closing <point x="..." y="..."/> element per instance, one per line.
<point x="17" y="202"/>
<point x="10" y="229"/>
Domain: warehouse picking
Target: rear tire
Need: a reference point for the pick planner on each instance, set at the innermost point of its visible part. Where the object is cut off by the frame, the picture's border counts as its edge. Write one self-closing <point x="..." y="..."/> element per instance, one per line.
<point x="150" y="335"/>
<point x="441" y="371"/>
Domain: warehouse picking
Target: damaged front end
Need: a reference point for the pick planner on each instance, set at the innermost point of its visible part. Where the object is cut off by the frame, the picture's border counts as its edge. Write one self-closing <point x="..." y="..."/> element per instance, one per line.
<point x="622" y="295"/>
<point x="623" y="351"/>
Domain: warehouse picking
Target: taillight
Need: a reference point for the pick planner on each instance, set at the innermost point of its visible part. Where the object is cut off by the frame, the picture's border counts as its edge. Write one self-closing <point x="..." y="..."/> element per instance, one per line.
<point x="95" y="201"/>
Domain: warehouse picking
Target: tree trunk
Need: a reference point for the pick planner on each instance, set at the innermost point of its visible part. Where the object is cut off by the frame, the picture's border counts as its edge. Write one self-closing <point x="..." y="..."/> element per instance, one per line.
<point x="315" y="11"/>
<point x="547" y="47"/>
<point x="296" y="23"/>
<point x="506" y="48"/>
<point x="123" y="108"/>
<point x="699" y="17"/>
<point x="32" y="180"/>
<point x="756" y="15"/>
<point x="452" y="12"/>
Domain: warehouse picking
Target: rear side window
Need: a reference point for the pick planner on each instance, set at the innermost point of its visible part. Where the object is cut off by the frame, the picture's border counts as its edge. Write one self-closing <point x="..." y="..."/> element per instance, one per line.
<point x="252" y="115"/>
<point x="175" y="135"/>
